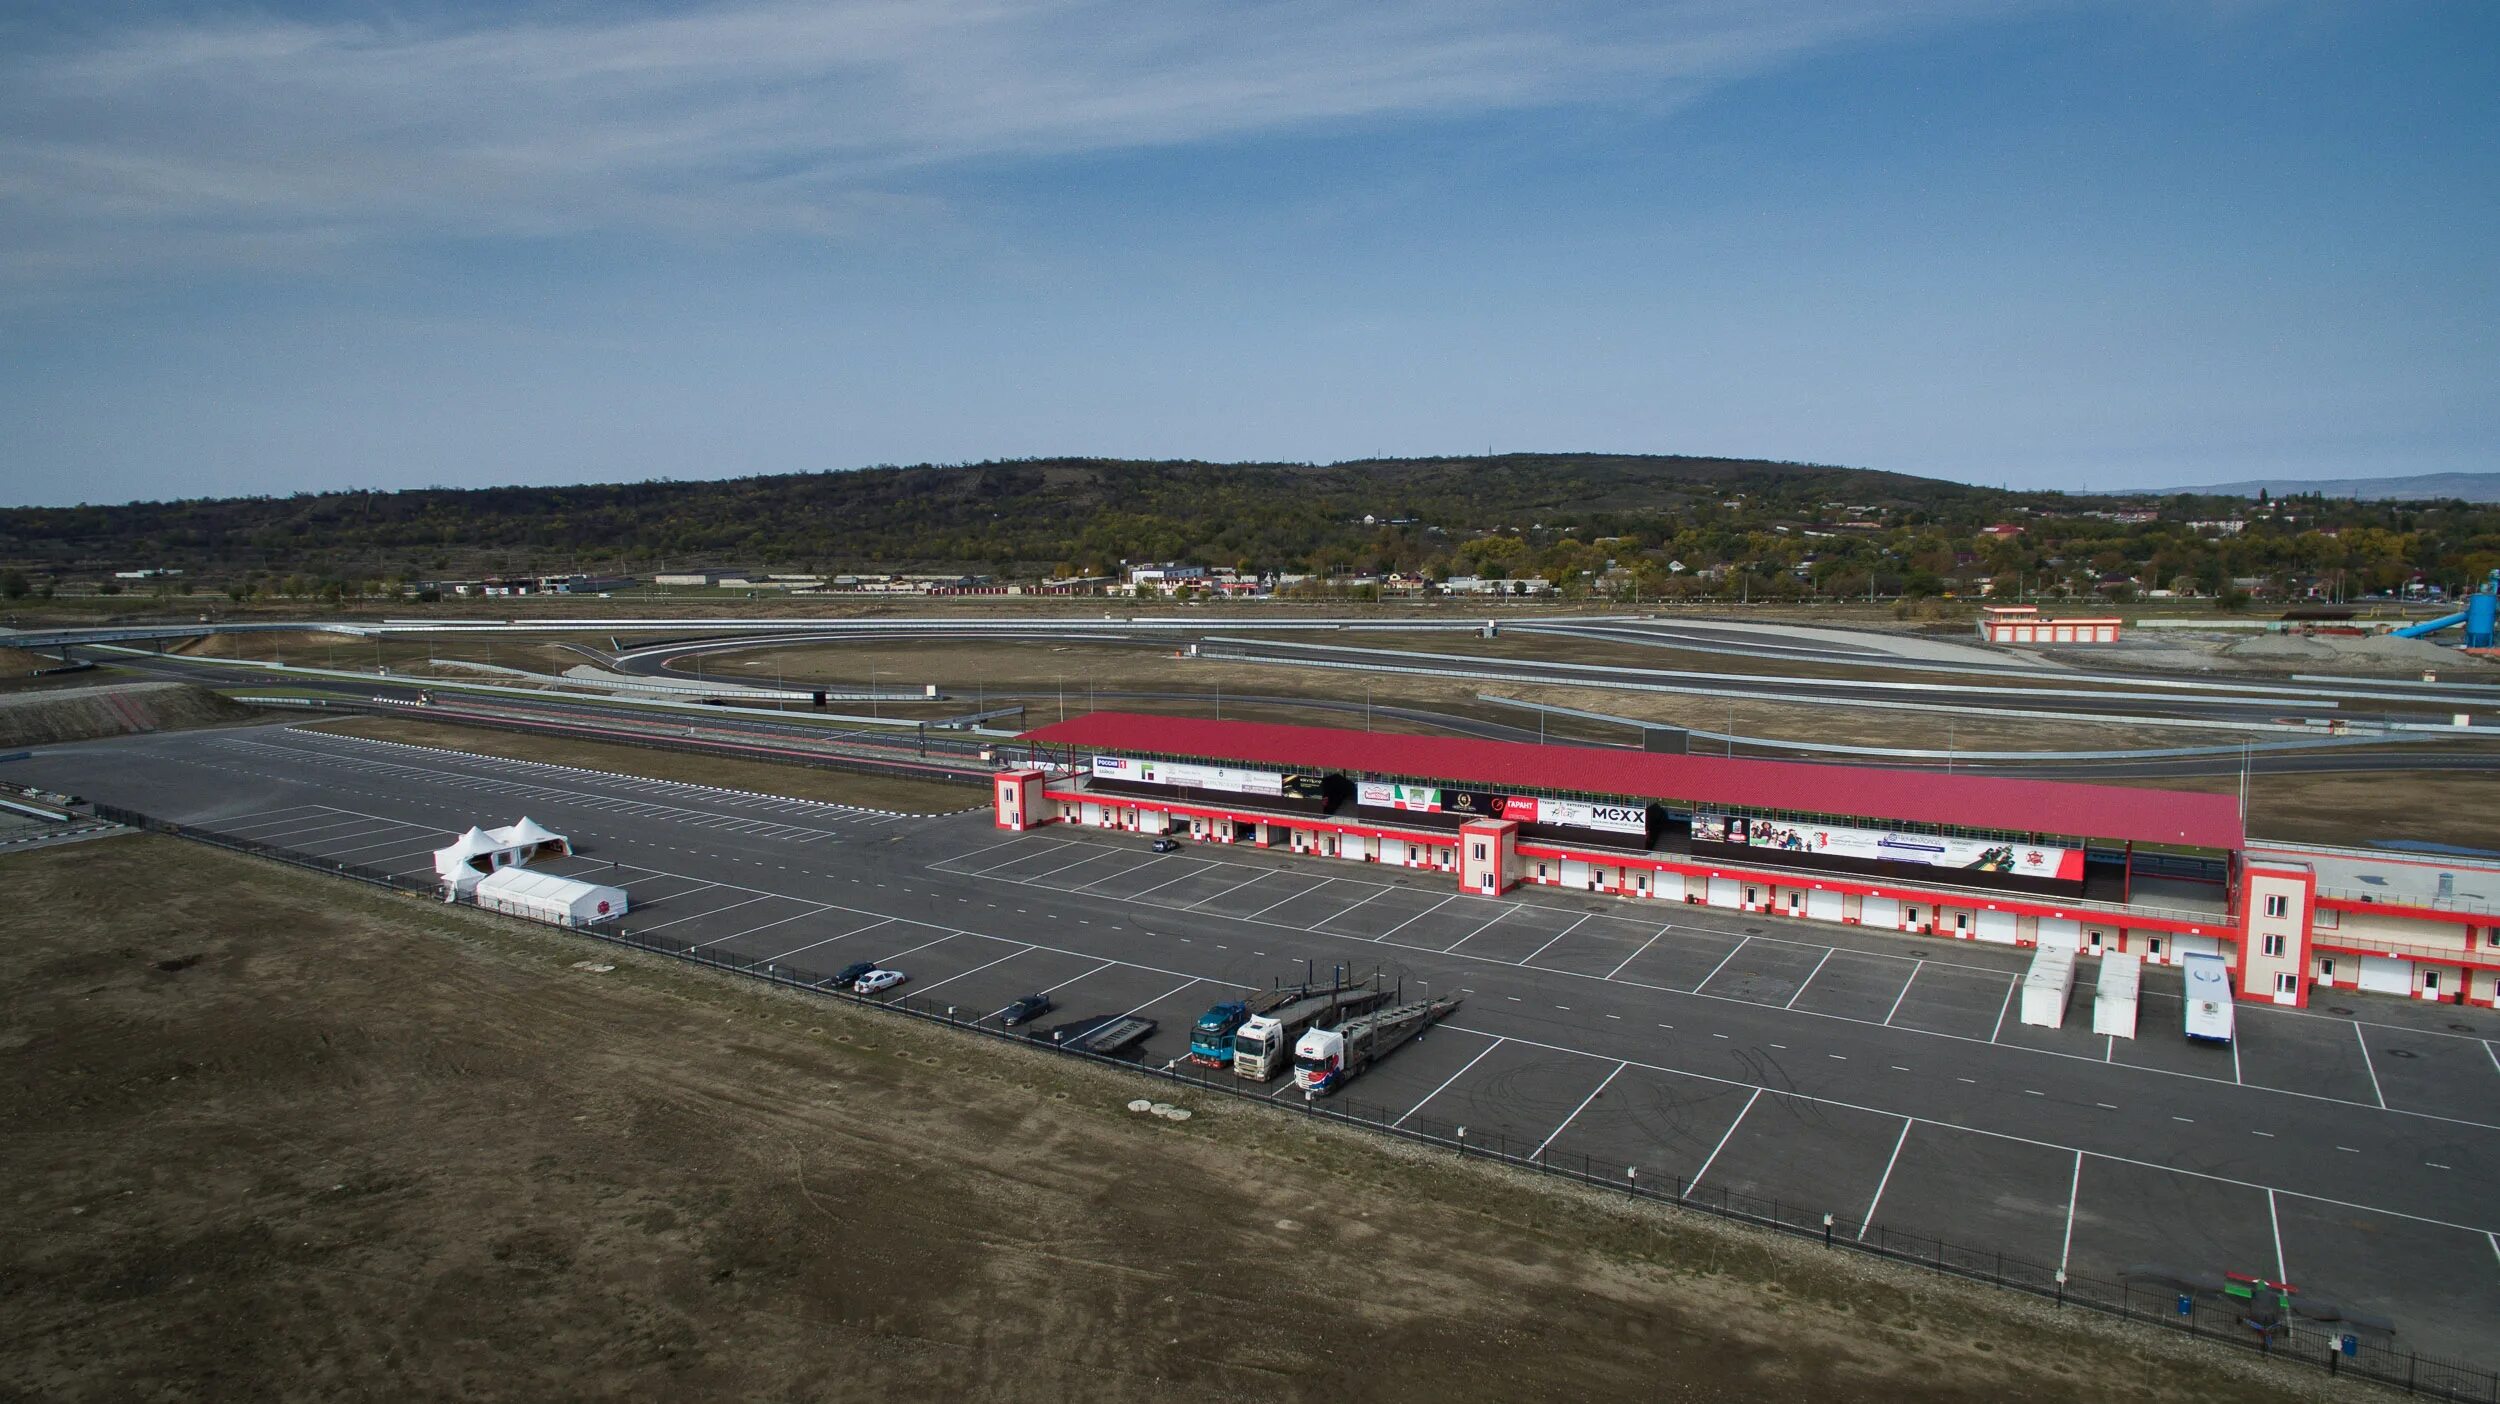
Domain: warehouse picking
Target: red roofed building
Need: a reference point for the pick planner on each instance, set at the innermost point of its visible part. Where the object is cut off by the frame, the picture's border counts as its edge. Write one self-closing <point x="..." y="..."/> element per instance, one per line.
<point x="2098" y="868"/>
<point x="2161" y="874"/>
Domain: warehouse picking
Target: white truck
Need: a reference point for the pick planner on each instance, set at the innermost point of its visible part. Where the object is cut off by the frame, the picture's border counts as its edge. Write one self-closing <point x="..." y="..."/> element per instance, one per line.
<point x="2209" y="1008"/>
<point x="1263" y="1046"/>
<point x="1326" y="1059"/>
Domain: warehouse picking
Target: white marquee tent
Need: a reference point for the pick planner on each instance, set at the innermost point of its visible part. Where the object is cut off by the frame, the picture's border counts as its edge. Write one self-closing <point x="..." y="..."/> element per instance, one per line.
<point x="517" y="891"/>
<point x="474" y="854"/>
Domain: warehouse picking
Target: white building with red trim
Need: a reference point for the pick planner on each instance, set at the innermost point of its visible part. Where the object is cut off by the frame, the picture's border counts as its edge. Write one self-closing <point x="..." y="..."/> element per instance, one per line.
<point x="2095" y="868"/>
<point x="2022" y="624"/>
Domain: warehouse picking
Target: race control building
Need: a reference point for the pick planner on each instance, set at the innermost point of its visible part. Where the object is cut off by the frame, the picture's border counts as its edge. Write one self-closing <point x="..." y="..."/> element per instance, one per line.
<point x="2095" y="868"/>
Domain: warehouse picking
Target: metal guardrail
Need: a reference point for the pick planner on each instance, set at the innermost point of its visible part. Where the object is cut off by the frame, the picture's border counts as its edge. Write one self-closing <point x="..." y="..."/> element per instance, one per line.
<point x="2460" y="955"/>
<point x="2374" y="1358"/>
<point x="1835" y="748"/>
<point x="1730" y="694"/>
<point x="2382" y="897"/>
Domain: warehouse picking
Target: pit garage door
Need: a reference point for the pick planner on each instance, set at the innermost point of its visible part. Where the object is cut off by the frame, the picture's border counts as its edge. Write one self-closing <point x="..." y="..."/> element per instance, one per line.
<point x="1879" y="911"/>
<point x="1575" y="873"/>
<point x="1667" y="887"/>
<point x="1724" y="892"/>
<point x="2393" y="977"/>
<point x="1823" y="906"/>
<point x="1997" y="927"/>
<point x="2063" y="933"/>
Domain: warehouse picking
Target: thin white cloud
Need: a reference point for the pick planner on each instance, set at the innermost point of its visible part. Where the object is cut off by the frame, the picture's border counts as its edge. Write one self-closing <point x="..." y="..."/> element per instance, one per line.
<point x="239" y="139"/>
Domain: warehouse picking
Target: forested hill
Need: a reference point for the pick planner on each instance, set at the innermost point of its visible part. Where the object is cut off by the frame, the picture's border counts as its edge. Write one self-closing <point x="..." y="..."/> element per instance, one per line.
<point x="1081" y="513"/>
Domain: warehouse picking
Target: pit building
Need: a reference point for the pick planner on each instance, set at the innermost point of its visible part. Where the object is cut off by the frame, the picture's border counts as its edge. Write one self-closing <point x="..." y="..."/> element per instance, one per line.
<point x="2160" y="874"/>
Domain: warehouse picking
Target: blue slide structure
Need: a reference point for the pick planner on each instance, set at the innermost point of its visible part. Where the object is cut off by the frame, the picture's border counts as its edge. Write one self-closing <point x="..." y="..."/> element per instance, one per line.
<point x="2482" y="610"/>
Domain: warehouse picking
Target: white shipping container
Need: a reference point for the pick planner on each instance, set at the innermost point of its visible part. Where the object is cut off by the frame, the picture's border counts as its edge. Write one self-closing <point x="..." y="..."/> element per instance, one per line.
<point x="2114" y="1001"/>
<point x="2047" y="987"/>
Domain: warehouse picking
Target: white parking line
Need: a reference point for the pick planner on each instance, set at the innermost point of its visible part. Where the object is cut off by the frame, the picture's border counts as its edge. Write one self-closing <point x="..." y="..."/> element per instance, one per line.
<point x="1801" y="986"/>
<point x="1636" y="955"/>
<point x="1305" y="892"/>
<point x="1575" y="1111"/>
<point x="1204" y="866"/>
<point x="1905" y="993"/>
<point x="1445" y="1082"/>
<point x="1479" y="931"/>
<point x="689" y="892"/>
<point x="813" y="909"/>
<point x="1167" y="994"/>
<point x="1323" y="921"/>
<point x="1097" y="970"/>
<point x="1712" y="1158"/>
<point x="1011" y="955"/>
<point x="1055" y="847"/>
<point x="1531" y="956"/>
<point x="2274" y="1220"/>
<point x="2365" y="1062"/>
<point x="888" y="961"/>
<point x="1999" y="1030"/>
<point x="1869" y="1221"/>
<point x="1124" y="872"/>
<point x="1079" y="863"/>
<point x="709" y="911"/>
<point x="785" y="955"/>
<point x="2074" y="1191"/>
<point x="1723" y="960"/>
<point x="1227" y="892"/>
<point x="1401" y="926"/>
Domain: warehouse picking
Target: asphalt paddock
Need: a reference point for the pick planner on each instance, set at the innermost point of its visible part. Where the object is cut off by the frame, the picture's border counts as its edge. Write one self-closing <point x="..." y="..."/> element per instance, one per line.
<point x="1883" y="1079"/>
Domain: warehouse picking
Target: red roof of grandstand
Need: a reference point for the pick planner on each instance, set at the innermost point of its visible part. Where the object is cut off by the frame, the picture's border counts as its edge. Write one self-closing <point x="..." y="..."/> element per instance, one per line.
<point x="2110" y="812"/>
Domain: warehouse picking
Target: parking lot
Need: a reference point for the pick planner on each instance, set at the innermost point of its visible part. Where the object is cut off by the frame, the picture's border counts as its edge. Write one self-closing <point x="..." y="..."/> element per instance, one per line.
<point x="1876" y="1077"/>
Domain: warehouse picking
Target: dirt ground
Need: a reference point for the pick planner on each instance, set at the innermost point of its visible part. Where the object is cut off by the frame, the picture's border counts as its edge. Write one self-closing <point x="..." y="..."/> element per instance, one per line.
<point x="908" y="796"/>
<point x="270" y="1137"/>
<point x="107" y="707"/>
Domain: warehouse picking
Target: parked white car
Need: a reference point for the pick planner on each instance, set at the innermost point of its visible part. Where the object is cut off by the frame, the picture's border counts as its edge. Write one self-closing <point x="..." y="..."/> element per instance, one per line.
<point x="876" y="981"/>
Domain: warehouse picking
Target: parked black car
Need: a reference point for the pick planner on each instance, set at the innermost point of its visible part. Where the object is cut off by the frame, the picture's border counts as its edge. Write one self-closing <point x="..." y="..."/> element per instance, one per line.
<point x="1024" y="1011"/>
<point x="1167" y="845"/>
<point x="849" y="975"/>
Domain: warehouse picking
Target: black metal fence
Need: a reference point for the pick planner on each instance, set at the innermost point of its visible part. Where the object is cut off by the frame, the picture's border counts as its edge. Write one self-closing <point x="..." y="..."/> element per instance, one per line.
<point x="2364" y="1355"/>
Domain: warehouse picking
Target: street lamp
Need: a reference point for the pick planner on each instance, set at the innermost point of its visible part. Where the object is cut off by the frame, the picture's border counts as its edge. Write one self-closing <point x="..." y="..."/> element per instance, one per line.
<point x="873" y="675"/>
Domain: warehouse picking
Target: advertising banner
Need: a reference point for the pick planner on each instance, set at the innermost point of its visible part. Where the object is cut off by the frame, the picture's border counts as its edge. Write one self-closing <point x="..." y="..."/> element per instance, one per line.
<point x="1379" y="794"/>
<point x="1482" y="804"/>
<point x="1605" y="818"/>
<point x="1889" y="846"/>
<point x="1204" y="777"/>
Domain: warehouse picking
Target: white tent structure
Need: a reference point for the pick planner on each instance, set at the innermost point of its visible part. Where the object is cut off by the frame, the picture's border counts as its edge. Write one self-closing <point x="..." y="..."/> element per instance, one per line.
<point x="474" y="854"/>
<point x="516" y="891"/>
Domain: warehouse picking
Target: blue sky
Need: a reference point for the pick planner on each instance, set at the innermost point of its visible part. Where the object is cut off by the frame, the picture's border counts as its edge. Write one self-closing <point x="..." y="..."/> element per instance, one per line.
<point x="269" y="248"/>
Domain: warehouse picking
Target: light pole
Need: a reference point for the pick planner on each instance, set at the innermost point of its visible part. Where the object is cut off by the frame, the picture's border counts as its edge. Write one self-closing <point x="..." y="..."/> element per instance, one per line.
<point x="873" y="675"/>
<point x="1063" y="694"/>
